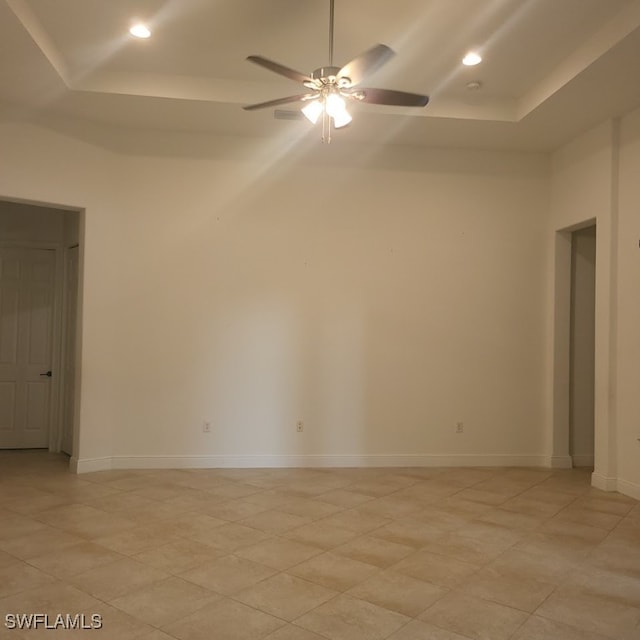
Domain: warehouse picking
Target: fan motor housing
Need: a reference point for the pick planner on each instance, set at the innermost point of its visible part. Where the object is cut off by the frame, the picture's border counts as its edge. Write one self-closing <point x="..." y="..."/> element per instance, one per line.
<point x="326" y="75"/>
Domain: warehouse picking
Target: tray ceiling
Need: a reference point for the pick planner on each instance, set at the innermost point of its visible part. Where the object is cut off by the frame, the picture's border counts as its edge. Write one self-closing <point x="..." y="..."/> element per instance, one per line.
<point x="551" y="68"/>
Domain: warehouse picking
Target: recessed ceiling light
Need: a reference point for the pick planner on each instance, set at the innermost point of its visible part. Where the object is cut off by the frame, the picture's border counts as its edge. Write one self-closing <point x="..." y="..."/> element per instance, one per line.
<point x="471" y="59"/>
<point x="140" y="31"/>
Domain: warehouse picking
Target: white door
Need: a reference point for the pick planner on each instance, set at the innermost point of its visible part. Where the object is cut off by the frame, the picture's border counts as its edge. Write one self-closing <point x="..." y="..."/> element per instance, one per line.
<point x="69" y="348"/>
<point x="27" y="286"/>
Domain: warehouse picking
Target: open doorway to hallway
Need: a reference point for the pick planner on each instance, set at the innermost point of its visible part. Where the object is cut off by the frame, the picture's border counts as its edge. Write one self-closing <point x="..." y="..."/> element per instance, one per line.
<point x="38" y="311"/>
<point x="582" y="346"/>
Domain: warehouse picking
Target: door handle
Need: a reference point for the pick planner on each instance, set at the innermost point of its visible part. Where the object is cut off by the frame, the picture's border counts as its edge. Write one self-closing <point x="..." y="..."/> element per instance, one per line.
<point x="48" y="374"/>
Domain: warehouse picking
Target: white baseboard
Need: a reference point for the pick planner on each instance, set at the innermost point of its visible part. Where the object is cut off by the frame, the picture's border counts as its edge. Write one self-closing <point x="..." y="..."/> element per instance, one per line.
<point x="630" y="489"/>
<point x="625" y="487"/>
<point x="281" y="461"/>
<point x="585" y="460"/>
<point x="87" y="465"/>
<point x="560" y="462"/>
<point x="605" y="483"/>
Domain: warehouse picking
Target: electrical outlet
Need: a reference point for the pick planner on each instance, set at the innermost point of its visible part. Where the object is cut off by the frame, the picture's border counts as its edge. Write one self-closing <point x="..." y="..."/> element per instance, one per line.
<point x="299" y="426"/>
<point x="460" y="427"/>
<point x="206" y="427"/>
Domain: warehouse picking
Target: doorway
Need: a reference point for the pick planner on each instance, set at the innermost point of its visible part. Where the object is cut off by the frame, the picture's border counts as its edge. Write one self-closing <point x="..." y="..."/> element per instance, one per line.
<point x="38" y="293"/>
<point x="582" y="347"/>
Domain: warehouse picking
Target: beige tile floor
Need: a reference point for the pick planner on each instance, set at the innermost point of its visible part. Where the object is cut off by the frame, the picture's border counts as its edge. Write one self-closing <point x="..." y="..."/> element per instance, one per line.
<point x="313" y="554"/>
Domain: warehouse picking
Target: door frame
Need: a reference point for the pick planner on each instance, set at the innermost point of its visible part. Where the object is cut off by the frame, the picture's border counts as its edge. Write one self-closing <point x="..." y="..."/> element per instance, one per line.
<point x="604" y="475"/>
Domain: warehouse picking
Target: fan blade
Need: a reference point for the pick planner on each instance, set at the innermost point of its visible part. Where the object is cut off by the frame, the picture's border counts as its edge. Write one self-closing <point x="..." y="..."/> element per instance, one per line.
<point x="274" y="103"/>
<point x="292" y="74"/>
<point x="390" y="97"/>
<point x="366" y="63"/>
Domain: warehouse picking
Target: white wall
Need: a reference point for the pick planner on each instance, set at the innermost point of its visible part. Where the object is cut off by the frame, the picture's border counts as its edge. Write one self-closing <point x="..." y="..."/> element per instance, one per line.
<point x="582" y="179"/>
<point x="40" y="166"/>
<point x="595" y="178"/>
<point x="628" y="300"/>
<point x="381" y="300"/>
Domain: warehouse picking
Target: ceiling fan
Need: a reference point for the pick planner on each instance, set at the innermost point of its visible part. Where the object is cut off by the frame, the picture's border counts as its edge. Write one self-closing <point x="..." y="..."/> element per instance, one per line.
<point x="330" y="88"/>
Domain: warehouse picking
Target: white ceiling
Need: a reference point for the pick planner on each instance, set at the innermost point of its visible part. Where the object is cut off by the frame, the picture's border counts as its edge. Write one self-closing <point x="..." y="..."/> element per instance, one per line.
<point x="551" y="69"/>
